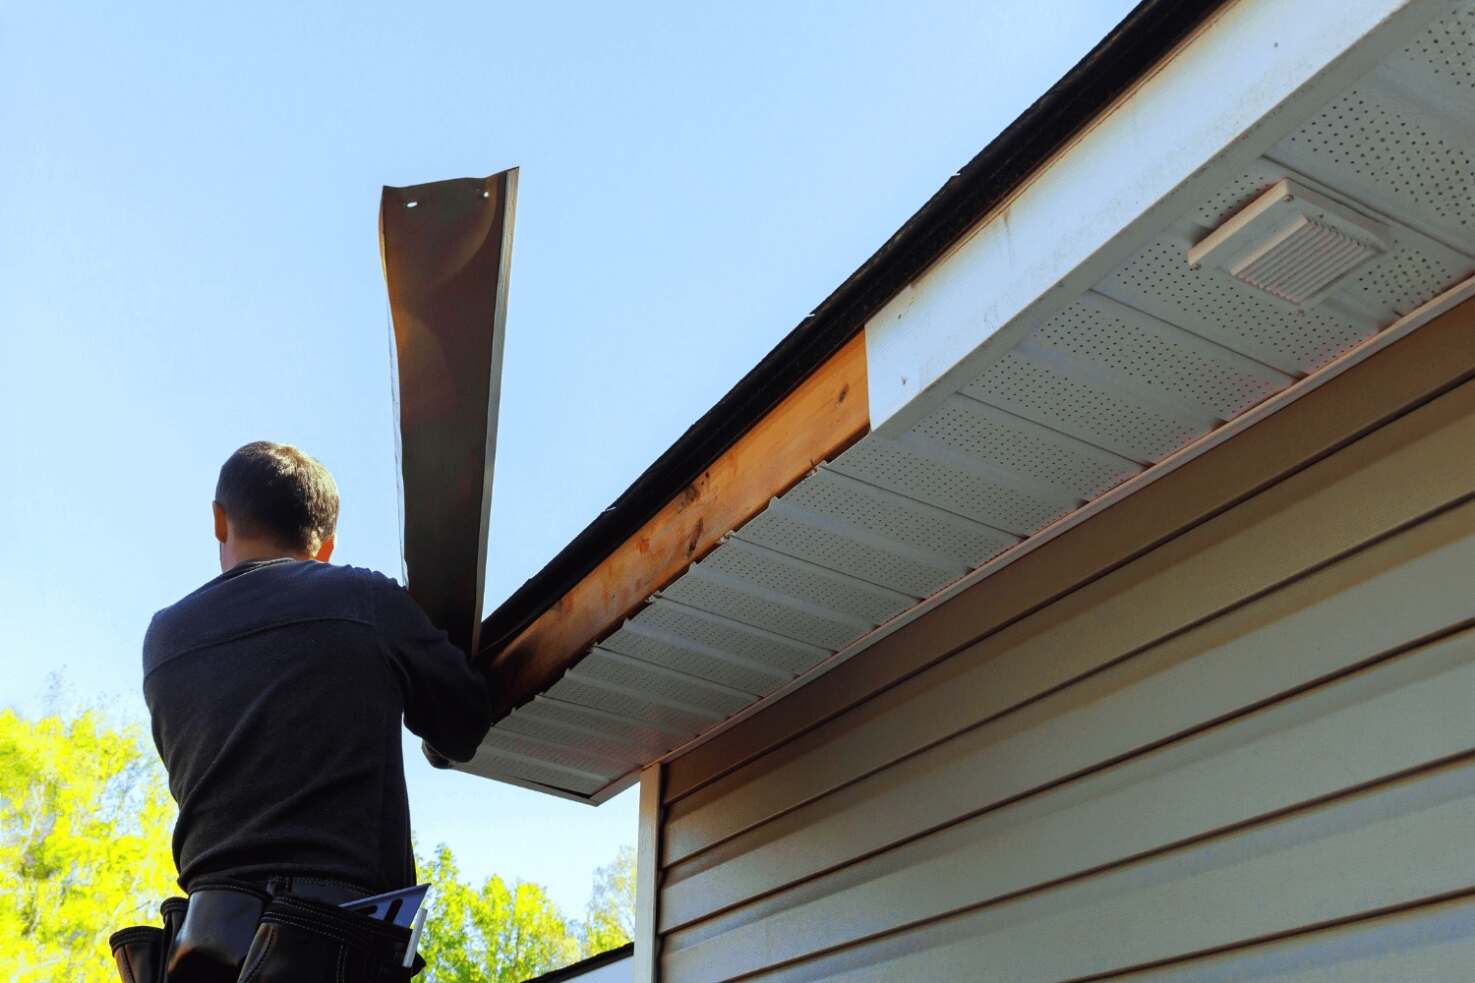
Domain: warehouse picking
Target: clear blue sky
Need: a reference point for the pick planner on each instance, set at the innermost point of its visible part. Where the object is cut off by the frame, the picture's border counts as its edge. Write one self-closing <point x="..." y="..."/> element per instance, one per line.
<point x="189" y="261"/>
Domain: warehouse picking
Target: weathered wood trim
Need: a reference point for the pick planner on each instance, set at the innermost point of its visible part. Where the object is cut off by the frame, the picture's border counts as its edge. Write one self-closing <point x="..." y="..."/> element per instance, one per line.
<point x="1408" y="373"/>
<point x="826" y="414"/>
<point x="648" y="876"/>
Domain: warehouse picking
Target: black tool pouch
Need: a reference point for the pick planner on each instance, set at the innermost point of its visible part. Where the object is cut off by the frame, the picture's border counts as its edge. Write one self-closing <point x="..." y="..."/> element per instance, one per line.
<point x="301" y="940"/>
<point x="139" y="953"/>
<point x="172" y="912"/>
<point x="215" y="933"/>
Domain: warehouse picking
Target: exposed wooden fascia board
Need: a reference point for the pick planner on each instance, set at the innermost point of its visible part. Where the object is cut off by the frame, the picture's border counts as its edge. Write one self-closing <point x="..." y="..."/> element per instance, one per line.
<point x="1151" y="32"/>
<point x="826" y="414"/>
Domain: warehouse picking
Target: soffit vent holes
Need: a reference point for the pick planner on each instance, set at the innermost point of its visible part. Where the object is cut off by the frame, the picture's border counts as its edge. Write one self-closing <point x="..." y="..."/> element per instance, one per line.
<point x="486" y="763"/>
<point x="728" y="638"/>
<point x="885" y="514"/>
<point x="756" y="609"/>
<point x="888" y="464"/>
<point x="570" y="756"/>
<point x="629" y="675"/>
<point x="571" y="715"/>
<point x="1015" y="449"/>
<point x="1159" y="281"/>
<point x="1091" y="412"/>
<point x="794" y="580"/>
<point x="691" y="661"/>
<point x="520" y="722"/>
<point x="1115" y="340"/>
<point x="1402" y="281"/>
<point x="1231" y="199"/>
<point x="573" y="690"/>
<point x="1446" y="50"/>
<point x="829" y="548"/>
<point x="1363" y="135"/>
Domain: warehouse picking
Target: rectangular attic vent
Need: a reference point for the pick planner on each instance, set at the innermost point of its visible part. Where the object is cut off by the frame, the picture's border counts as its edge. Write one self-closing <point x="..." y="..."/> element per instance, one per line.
<point x="1292" y="243"/>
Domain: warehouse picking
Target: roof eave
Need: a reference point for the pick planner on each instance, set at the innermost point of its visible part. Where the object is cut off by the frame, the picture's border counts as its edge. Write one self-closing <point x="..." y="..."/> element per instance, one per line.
<point x="1146" y="36"/>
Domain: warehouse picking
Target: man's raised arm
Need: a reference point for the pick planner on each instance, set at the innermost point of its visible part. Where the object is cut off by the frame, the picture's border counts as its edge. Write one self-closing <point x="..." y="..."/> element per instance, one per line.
<point x="448" y="700"/>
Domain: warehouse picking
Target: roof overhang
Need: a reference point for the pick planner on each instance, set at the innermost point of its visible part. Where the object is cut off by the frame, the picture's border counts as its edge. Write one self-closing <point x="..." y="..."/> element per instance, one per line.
<point x="1033" y="346"/>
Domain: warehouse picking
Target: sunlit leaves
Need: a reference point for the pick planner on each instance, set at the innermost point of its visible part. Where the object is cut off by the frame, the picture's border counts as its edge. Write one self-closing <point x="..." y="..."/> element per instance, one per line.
<point x="503" y="933"/>
<point x="85" y="820"/>
<point x="85" y="825"/>
<point x="610" y="921"/>
<point x="498" y="933"/>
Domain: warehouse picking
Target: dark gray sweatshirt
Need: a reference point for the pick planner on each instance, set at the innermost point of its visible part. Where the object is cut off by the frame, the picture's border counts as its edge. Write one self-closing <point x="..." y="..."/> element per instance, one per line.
<point x="276" y="692"/>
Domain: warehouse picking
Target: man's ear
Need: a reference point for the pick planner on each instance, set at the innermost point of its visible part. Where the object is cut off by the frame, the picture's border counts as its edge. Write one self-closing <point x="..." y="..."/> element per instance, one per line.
<point x="325" y="550"/>
<point x="220" y="526"/>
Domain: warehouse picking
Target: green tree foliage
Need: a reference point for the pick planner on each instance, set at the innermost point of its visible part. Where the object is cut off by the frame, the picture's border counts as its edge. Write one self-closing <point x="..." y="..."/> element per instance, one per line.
<point x="610" y="921"/>
<point x="85" y="820"/>
<point x="85" y="825"/>
<point x="497" y="933"/>
<point x="505" y="933"/>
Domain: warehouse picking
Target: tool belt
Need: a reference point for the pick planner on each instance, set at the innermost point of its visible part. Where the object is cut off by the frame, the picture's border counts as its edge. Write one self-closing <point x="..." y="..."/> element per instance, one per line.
<point x="288" y="929"/>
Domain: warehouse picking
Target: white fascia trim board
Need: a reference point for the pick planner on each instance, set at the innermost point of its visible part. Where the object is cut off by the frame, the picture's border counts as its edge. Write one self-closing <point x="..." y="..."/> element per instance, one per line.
<point x="1248" y="78"/>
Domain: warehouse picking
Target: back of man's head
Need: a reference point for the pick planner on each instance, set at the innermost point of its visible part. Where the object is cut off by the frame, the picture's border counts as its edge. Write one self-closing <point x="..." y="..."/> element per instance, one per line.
<point x="274" y="492"/>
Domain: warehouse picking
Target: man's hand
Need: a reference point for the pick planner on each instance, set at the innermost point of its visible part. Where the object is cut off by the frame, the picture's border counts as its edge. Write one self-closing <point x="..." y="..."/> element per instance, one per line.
<point x="436" y="759"/>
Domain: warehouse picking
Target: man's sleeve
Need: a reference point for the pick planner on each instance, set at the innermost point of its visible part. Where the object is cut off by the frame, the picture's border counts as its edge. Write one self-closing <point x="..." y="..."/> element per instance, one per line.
<point x="447" y="700"/>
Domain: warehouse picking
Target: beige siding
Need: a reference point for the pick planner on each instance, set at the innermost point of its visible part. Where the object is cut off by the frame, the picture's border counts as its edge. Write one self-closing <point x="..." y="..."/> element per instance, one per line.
<point x="1243" y="747"/>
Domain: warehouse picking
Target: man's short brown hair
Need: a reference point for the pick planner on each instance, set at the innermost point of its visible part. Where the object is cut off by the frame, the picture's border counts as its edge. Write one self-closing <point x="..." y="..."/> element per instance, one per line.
<point x="277" y="492"/>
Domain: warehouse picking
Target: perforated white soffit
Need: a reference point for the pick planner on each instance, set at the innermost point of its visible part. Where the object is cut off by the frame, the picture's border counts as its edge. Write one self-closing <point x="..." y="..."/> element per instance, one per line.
<point x="1153" y="356"/>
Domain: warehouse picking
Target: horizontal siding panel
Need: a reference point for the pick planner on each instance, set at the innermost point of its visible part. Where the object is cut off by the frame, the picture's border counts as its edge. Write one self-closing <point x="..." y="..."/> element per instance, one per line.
<point x="1248" y="753"/>
<point x="1215" y="671"/>
<point x="1333" y="619"/>
<point x="1429" y="943"/>
<point x="1384" y="848"/>
<point x="1437" y="356"/>
<point x="1321" y="744"/>
<point x="1331" y="507"/>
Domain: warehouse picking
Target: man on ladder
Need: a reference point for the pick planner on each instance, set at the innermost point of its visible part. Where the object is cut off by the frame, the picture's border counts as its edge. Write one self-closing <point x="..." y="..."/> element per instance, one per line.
<point x="276" y="692"/>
